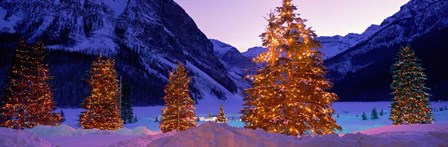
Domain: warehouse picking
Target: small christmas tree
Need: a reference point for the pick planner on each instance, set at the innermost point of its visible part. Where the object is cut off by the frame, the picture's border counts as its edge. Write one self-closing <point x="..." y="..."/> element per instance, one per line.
<point x="102" y="106"/>
<point x="374" y="114"/>
<point x="126" y="104"/>
<point x="221" y="116"/>
<point x="364" y="116"/>
<point x="178" y="113"/>
<point x="410" y="103"/>
<point x="381" y="112"/>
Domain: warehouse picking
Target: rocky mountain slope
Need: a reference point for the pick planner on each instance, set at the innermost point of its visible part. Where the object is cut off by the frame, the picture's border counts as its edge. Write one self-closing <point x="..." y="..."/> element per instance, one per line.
<point x="362" y="72"/>
<point x="147" y="39"/>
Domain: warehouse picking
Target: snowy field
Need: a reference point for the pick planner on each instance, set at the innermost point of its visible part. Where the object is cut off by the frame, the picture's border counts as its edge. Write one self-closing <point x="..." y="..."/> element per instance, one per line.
<point x="349" y="115"/>
<point x="146" y="130"/>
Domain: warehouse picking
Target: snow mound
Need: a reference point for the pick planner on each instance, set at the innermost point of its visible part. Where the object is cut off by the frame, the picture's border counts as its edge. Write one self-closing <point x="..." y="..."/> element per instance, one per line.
<point x="64" y="130"/>
<point x="413" y="128"/>
<point x="220" y="134"/>
<point x="142" y="141"/>
<point x="16" y="138"/>
<point x="213" y="134"/>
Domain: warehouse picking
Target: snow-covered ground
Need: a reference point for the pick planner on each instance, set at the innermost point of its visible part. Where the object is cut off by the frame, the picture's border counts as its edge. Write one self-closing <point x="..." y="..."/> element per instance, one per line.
<point x="146" y="130"/>
<point x="349" y="115"/>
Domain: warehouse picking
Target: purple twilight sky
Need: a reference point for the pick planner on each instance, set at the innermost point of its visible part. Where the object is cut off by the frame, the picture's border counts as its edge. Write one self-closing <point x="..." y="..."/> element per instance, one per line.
<point x="239" y="22"/>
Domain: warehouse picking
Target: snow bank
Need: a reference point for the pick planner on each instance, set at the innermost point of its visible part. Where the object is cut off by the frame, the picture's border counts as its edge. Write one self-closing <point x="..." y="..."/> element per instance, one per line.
<point x="142" y="141"/>
<point x="213" y="134"/>
<point x="64" y="130"/>
<point x="413" y="128"/>
<point x="20" y="138"/>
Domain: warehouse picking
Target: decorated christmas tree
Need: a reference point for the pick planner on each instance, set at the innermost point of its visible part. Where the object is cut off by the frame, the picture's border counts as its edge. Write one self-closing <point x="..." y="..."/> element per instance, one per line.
<point x="411" y="102"/>
<point x="289" y="95"/>
<point x="178" y="113"/>
<point x="221" y="116"/>
<point x="28" y="100"/>
<point x="102" y="106"/>
<point x="42" y="106"/>
<point x="13" y="108"/>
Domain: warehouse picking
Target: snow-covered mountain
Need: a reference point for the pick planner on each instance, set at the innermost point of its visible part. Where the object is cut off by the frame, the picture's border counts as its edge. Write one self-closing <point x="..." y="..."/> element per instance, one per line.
<point x="330" y="45"/>
<point x="147" y="39"/>
<point x="362" y="72"/>
<point x="254" y="52"/>
<point x="238" y="65"/>
<point x="334" y="45"/>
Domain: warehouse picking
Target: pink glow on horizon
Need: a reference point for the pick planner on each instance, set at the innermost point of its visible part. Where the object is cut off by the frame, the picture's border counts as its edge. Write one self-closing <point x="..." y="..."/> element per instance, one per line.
<point x="239" y="22"/>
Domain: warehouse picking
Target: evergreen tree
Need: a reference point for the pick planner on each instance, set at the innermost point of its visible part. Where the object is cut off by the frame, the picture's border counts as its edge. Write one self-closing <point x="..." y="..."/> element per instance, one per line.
<point x="221" y="116"/>
<point x="290" y="94"/>
<point x="374" y="114"/>
<point x="62" y="116"/>
<point x="102" y="106"/>
<point x="28" y="100"/>
<point x="364" y="116"/>
<point x="381" y="112"/>
<point x="135" y="119"/>
<point x="126" y="104"/>
<point x="19" y="76"/>
<point x="410" y="103"/>
<point x="178" y="113"/>
<point x="43" y="107"/>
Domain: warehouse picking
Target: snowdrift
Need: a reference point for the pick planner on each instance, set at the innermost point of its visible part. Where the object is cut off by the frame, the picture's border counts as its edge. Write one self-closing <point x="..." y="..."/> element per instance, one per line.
<point x="64" y="130"/>
<point x="20" y="138"/>
<point x="213" y="134"/>
<point x="216" y="134"/>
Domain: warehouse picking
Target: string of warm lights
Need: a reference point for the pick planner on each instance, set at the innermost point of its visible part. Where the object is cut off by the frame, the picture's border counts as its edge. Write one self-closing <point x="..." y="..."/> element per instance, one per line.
<point x="102" y="106"/>
<point x="178" y="113"/>
<point x="411" y="102"/>
<point x="221" y="116"/>
<point x="289" y="94"/>
<point x="28" y="98"/>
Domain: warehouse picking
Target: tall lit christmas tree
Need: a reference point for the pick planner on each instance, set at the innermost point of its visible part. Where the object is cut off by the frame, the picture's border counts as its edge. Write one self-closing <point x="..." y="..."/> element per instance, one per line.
<point x="178" y="113"/>
<point x="41" y="107"/>
<point x="102" y="106"/>
<point x="19" y="76"/>
<point x="289" y="95"/>
<point x="221" y="116"/>
<point x="28" y="98"/>
<point x="411" y="103"/>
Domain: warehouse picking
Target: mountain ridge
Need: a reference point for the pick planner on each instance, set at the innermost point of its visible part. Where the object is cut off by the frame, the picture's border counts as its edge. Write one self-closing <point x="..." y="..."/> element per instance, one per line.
<point x="147" y="39"/>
